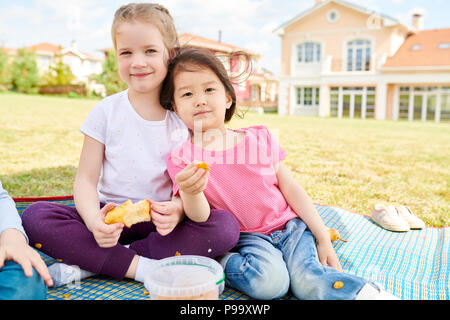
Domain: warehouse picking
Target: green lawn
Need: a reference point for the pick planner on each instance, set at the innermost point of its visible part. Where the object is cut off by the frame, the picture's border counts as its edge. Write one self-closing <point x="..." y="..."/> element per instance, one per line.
<point x="348" y="163"/>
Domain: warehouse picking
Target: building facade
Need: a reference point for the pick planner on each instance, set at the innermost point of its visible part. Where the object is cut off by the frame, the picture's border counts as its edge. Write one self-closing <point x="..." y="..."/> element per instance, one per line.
<point x="83" y="65"/>
<point x="343" y="60"/>
<point x="255" y="86"/>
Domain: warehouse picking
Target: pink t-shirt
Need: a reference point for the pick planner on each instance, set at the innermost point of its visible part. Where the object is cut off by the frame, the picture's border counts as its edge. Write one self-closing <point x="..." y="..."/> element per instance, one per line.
<point x="242" y="179"/>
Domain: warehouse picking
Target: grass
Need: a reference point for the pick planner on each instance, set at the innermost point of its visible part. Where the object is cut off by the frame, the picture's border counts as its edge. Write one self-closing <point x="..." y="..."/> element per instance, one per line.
<point x="348" y="163"/>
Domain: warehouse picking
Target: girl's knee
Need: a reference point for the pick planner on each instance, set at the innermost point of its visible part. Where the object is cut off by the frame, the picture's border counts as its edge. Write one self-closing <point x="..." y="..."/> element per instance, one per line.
<point x="14" y="285"/>
<point x="260" y="280"/>
<point x="33" y="214"/>
<point x="225" y="226"/>
<point x="272" y="282"/>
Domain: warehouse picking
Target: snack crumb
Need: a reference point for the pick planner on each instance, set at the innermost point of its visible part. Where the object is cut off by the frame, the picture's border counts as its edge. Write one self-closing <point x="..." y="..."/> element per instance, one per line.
<point x="177" y="253"/>
<point x="38" y="245"/>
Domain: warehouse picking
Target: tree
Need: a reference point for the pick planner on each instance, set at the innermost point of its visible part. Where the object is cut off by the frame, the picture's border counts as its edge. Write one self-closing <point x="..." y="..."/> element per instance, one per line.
<point x="110" y="76"/>
<point x="25" y="72"/>
<point x="5" y="72"/>
<point x="58" y="74"/>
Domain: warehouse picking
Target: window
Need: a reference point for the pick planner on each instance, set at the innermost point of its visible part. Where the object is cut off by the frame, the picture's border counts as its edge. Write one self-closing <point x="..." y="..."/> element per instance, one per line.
<point x="444" y="45"/>
<point x="358" y="55"/>
<point x="333" y="15"/>
<point x="445" y="104"/>
<point x="404" y="103"/>
<point x="309" y="52"/>
<point x="334" y="101"/>
<point x="416" y="47"/>
<point x="309" y="96"/>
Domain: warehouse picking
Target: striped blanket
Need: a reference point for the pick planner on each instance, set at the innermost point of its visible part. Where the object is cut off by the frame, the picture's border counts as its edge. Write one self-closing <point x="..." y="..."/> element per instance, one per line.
<point x="412" y="265"/>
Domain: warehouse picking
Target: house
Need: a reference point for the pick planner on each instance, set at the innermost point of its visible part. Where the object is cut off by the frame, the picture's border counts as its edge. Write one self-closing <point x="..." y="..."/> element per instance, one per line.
<point x="342" y="60"/>
<point x="83" y="65"/>
<point x="258" y="89"/>
<point x="254" y="86"/>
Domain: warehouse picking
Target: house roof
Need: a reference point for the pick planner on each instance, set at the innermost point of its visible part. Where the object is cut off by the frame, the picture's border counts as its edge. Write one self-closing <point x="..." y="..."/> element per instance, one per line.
<point x="422" y="50"/>
<point x="386" y="19"/>
<point x="45" y="47"/>
<point x="50" y="49"/>
<point x="205" y="43"/>
<point x="201" y="42"/>
<point x="10" y="51"/>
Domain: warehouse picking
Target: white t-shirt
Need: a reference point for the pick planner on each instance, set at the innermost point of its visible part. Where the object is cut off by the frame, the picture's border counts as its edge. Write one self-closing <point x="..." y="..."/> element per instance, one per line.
<point x="134" y="166"/>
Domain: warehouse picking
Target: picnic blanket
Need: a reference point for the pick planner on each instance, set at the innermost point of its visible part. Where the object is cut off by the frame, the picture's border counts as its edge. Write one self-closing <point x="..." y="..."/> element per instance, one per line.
<point x="412" y="265"/>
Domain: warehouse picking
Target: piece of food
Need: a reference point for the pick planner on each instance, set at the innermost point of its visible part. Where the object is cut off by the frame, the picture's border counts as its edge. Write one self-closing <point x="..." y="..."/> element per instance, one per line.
<point x="203" y="165"/>
<point x="129" y="213"/>
<point x="334" y="235"/>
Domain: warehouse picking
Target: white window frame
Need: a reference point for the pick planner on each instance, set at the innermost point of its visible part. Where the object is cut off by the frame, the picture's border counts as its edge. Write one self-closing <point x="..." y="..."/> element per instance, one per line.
<point x="363" y="46"/>
<point x="316" y="58"/>
<point x="314" y="95"/>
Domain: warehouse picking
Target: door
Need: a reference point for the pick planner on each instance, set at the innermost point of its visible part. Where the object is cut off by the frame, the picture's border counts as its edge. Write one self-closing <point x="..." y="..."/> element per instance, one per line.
<point x="357" y="106"/>
<point x="418" y="102"/>
<point x="346" y="105"/>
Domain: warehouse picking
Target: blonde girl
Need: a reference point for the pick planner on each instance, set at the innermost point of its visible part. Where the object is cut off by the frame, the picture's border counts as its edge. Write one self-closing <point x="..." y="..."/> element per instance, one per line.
<point x="126" y="139"/>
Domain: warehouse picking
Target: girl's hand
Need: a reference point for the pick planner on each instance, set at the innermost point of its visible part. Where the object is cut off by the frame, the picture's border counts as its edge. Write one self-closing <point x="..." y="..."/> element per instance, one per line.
<point x="327" y="255"/>
<point x="192" y="180"/>
<point x="106" y="235"/>
<point x="13" y="246"/>
<point x="166" y="215"/>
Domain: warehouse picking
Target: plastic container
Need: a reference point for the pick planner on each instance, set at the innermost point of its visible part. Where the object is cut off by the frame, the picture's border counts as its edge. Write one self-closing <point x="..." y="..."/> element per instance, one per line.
<point x="185" y="278"/>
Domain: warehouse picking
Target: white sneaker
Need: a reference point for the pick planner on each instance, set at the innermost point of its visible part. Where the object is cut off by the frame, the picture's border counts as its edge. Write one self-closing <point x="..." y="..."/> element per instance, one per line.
<point x="374" y="292"/>
<point x="413" y="221"/>
<point x="389" y="219"/>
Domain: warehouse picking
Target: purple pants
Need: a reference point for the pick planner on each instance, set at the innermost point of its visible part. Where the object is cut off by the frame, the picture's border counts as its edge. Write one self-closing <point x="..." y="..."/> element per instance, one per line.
<point x="62" y="234"/>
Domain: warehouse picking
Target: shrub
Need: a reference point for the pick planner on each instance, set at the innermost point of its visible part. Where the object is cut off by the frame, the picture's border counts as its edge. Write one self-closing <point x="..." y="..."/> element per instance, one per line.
<point x="58" y="74"/>
<point x="110" y="76"/>
<point x="25" y="73"/>
<point x="5" y="72"/>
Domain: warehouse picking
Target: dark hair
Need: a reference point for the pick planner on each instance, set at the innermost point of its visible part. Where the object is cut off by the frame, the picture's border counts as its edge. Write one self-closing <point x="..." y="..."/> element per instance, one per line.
<point x="192" y="59"/>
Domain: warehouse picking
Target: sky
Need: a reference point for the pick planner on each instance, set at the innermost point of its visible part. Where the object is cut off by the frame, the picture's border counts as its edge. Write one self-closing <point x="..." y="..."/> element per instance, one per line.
<point x="245" y="23"/>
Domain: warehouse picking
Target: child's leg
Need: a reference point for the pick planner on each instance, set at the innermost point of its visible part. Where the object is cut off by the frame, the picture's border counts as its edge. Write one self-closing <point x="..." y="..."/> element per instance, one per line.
<point x="309" y="278"/>
<point x="211" y="239"/>
<point x="59" y="232"/>
<point x="14" y="285"/>
<point x="258" y="268"/>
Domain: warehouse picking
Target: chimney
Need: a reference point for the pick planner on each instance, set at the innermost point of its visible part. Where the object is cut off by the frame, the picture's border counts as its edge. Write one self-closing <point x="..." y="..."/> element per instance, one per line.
<point x="74" y="45"/>
<point x="417" y="21"/>
<point x="220" y="36"/>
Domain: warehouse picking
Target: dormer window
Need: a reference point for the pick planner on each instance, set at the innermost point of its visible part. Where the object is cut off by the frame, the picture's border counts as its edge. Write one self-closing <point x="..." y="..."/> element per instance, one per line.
<point x="444" y="45"/>
<point x="416" y="47"/>
<point x="309" y="52"/>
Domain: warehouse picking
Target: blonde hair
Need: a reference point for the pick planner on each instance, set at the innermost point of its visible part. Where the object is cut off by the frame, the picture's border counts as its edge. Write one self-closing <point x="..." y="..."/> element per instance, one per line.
<point x="152" y="13"/>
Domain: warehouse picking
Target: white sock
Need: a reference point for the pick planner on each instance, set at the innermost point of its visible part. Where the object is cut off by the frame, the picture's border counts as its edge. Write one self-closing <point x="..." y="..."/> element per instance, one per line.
<point x="63" y="274"/>
<point x="144" y="267"/>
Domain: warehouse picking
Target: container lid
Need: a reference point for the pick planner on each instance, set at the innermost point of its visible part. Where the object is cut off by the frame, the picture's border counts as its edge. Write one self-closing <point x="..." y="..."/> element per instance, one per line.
<point x="184" y="276"/>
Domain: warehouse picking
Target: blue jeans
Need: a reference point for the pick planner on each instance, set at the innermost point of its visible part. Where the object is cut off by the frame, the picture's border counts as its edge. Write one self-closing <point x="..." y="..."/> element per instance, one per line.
<point x="14" y="285"/>
<point x="266" y="266"/>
